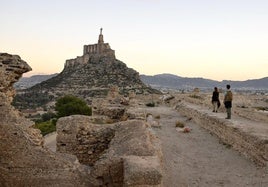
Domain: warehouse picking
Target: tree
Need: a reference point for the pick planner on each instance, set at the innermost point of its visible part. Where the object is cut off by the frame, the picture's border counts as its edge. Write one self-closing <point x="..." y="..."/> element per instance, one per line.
<point x="47" y="116"/>
<point x="70" y="105"/>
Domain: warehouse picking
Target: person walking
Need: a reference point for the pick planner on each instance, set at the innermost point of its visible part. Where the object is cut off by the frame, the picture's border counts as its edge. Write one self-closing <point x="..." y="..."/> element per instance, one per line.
<point x="215" y="100"/>
<point x="228" y="98"/>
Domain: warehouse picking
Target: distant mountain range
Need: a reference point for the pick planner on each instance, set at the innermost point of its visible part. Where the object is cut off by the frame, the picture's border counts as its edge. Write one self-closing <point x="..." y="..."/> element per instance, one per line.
<point x="170" y="81"/>
<point x="167" y="81"/>
<point x="27" y="82"/>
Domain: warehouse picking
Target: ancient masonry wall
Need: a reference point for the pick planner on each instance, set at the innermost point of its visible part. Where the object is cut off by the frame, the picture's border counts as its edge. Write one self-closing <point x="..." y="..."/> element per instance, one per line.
<point x="95" y="50"/>
<point x="249" y="145"/>
<point x="87" y="141"/>
<point x="121" y="154"/>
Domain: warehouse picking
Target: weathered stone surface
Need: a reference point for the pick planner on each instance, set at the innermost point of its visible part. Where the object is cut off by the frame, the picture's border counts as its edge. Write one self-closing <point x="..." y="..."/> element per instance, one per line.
<point x="11" y="69"/>
<point x="113" y="112"/>
<point x="23" y="159"/>
<point x="140" y="171"/>
<point x="113" y="106"/>
<point x="107" y="148"/>
<point x="77" y="135"/>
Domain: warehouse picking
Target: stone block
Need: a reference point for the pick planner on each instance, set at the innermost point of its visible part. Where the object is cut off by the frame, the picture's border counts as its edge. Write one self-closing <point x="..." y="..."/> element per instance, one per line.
<point x="142" y="171"/>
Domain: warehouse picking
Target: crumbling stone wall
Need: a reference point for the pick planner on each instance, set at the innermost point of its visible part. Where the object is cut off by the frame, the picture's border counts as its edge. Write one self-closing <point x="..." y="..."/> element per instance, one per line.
<point x="77" y="135"/>
<point x="121" y="154"/>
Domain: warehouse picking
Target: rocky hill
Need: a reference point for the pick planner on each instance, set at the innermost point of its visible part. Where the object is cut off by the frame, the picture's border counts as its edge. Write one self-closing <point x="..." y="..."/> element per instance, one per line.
<point x="87" y="76"/>
<point x="27" y="82"/>
<point x="170" y="81"/>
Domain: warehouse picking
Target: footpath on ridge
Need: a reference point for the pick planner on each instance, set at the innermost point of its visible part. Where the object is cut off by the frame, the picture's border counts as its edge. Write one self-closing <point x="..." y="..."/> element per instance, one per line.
<point x="246" y="136"/>
<point x="199" y="158"/>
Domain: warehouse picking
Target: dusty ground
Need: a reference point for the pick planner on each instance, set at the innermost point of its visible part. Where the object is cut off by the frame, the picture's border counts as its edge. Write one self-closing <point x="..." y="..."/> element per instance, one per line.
<point x="199" y="159"/>
<point x="50" y="141"/>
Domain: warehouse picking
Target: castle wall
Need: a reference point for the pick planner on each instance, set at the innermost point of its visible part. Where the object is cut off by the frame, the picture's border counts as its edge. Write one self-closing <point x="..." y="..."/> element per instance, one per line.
<point x="97" y="48"/>
<point x="78" y="60"/>
<point x="96" y="51"/>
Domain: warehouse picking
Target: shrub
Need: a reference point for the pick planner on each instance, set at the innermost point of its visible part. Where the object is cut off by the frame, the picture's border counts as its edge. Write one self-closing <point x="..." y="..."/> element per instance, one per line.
<point x="151" y="104"/>
<point x="46" y="127"/>
<point x="70" y="105"/>
<point x="48" y="116"/>
<point x="29" y="100"/>
<point x="195" y="96"/>
<point x="157" y="117"/>
<point x="179" y="124"/>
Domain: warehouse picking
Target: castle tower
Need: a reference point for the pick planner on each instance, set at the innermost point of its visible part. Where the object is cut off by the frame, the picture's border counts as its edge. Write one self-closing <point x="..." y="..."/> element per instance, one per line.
<point x="93" y="51"/>
<point x="100" y="43"/>
<point x="100" y="37"/>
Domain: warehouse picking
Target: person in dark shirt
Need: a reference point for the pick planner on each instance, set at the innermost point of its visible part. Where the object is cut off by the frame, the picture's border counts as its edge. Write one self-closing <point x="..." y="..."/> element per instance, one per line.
<point x="215" y="100"/>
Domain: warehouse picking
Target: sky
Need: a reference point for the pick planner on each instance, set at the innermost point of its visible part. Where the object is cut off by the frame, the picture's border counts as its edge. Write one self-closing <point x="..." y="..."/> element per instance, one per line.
<point x="213" y="39"/>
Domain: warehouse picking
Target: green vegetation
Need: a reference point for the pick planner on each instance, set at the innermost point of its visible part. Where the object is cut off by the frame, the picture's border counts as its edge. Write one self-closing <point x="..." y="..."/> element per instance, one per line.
<point x="46" y="127"/>
<point x="151" y="104"/>
<point x="48" y="116"/>
<point x="30" y="100"/>
<point x="65" y="106"/>
<point x="179" y="124"/>
<point x="70" y="105"/>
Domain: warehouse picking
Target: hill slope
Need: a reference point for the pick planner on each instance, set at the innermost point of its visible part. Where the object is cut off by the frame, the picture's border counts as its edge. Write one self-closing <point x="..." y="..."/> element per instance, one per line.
<point x="27" y="82"/>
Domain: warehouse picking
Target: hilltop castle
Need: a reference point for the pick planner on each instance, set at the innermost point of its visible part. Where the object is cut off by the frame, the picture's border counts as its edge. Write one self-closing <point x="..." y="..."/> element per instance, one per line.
<point x="94" y="51"/>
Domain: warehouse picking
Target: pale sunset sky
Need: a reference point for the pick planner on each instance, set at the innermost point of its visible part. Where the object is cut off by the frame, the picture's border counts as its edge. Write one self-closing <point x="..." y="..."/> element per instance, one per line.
<point x="214" y="39"/>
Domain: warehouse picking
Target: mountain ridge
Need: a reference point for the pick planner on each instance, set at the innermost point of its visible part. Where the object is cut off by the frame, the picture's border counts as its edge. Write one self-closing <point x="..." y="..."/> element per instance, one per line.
<point x="177" y="82"/>
<point x="165" y="80"/>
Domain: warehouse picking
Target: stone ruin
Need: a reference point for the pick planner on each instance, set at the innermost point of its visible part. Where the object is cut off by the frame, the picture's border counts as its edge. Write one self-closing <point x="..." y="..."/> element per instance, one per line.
<point x="89" y="154"/>
<point x="95" y="51"/>
<point x="121" y="154"/>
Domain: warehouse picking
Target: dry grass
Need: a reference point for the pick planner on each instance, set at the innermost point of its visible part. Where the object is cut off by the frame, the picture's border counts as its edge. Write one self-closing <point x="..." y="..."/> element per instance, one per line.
<point x="157" y="117"/>
<point x="179" y="124"/>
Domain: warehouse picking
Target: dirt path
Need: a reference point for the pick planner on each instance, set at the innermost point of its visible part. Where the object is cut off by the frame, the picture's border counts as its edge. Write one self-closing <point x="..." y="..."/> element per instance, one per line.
<point x="199" y="159"/>
<point x="50" y="141"/>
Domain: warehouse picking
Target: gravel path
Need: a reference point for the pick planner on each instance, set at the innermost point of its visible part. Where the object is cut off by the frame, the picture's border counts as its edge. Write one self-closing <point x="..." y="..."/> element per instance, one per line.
<point x="50" y="141"/>
<point x="199" y="159"/>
